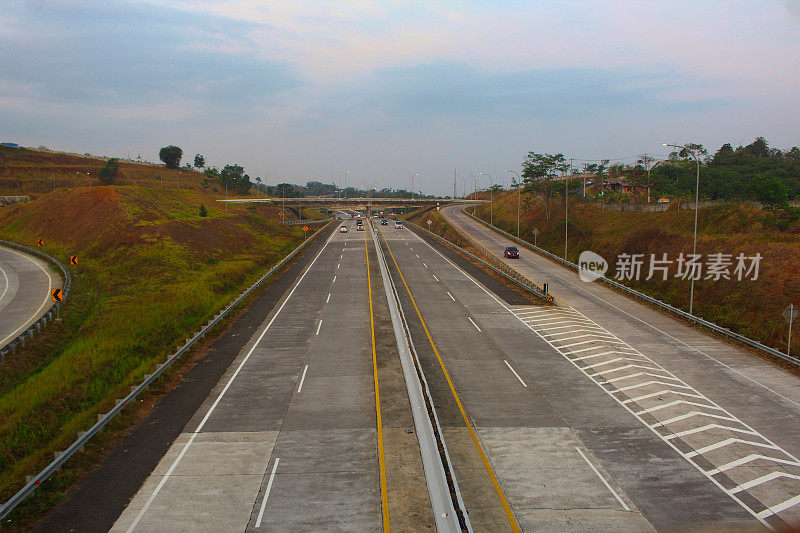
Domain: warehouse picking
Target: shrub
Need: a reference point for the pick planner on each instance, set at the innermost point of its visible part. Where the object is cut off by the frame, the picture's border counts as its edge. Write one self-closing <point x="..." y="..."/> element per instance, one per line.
<point x="109" y="171"/>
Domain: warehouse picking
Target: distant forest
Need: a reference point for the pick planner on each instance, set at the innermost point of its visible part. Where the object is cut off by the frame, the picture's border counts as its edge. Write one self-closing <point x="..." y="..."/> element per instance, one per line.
<point x="751" y="172"/>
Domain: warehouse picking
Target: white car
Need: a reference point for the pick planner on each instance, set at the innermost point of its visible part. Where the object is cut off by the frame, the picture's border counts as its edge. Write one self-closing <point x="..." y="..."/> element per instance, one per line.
<point x="343" y="229"/>
<point x="398" y="224"/>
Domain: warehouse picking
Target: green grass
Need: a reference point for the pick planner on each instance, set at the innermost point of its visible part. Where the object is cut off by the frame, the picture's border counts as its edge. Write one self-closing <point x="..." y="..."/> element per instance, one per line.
<point x="131" y="305"/>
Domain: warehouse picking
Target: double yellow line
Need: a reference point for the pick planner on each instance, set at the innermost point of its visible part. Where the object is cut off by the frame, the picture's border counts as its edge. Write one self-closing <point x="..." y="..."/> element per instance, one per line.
<point x="381" y="454"/>
<point x="506" y="507"/>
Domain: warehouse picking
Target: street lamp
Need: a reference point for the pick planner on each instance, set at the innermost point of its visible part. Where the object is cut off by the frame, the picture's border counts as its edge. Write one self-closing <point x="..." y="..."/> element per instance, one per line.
<point x="519" y="196"/>
<point x="369" y="187"/>
<point x="491" y="198"/>
<point x="696" y="199"/>
<point x="412" y="185"/>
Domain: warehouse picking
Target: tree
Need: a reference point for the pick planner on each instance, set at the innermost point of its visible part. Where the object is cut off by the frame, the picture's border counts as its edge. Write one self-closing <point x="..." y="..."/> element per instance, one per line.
<point x="725" y="151"/>
<point x="199" y="161"/>
<point x="203" y="211"/>
<point x="771" y="192"/>
<point x="109" y="171"/>
<point x="537" y="172"/>
<point x="233" y="177"/>
<point x="759" y="148"/>
<point x="171" y="156"/>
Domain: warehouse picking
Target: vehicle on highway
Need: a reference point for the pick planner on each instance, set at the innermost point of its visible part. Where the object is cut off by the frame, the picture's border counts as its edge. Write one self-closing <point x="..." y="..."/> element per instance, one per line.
<point x="384" y="222"/>
<point x="398" y="224"/>
<point x="343" y="229"/>
<point x="511" y="252"/>
<point x="359" y="222"/>
<point x="360" y="228"/>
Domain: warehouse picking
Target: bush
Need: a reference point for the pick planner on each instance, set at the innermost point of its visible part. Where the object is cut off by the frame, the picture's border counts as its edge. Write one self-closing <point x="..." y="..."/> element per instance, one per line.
<point x="203" y="212"/>
<point x="109" y="171"/>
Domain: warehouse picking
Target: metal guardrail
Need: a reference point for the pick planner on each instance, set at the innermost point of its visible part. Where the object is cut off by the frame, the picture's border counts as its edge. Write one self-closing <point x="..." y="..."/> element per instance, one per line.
<point x="308" y="221"/>
<point x="102" y="419"/>
<point x="501" y="268"/>
<point x="50" y="314"/>
<point x="633" y="292"/>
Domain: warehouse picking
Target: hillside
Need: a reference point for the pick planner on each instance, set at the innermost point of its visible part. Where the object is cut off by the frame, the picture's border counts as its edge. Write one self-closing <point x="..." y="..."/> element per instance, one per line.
<point x="150" y="271"/>
<point x="24" y="171"/>
<point x="752" y="308"/>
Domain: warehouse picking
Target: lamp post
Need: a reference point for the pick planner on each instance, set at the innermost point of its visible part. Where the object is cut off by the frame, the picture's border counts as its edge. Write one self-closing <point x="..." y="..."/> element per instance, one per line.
<point x="412" y="185"/>
<point x="369" y="187"/>
<point x="519" y="196"/>
<point x="491" y="198"/>
<point x="696" y="202"/>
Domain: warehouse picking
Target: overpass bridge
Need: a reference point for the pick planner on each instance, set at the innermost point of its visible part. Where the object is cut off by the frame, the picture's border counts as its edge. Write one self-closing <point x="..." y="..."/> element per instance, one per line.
<point x="356" y="203"/>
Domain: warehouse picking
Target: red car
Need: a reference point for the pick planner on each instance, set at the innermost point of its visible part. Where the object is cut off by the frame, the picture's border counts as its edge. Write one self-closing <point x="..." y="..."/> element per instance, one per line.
<point x="511" y="252"/>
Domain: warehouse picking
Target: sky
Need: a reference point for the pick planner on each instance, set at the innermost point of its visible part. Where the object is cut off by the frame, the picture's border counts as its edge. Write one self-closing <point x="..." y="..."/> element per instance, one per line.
<point x="378" y="91"/>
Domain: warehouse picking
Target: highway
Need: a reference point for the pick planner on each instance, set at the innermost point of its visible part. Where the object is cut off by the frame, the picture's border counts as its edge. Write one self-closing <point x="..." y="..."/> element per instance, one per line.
<point x="594" y="414"/>
<point x="25" y="284"/>
<point x="719" y="423"/>
<point x="292" y="438"/>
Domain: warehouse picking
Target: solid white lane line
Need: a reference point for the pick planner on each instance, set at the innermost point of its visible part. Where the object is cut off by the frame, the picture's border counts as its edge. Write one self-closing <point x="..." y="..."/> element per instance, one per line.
<point x="302" y="380"/>
<point x="434" y="277"/>
<point x="319" y="326"/>
<point x="608" y="486"/>
<point x="221" y="395"/>
<point x="328" y="299"/>
<point x="45" y="303"/>
<point x="266" y="492"/>
<point x="451" y="296"/>
<point x="474" y="324"/>
<point x="5" y="287"/>
<point x="515" y="373"/>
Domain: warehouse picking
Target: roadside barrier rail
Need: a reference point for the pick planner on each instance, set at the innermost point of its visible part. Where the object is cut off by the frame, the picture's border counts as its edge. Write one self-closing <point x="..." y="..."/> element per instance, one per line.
<point x="33" y="482"/>
<point x="499" y="266"/>
<point x="308" y="221"/>
<point x="633" y="292"/>
<point x="19" y="341"/>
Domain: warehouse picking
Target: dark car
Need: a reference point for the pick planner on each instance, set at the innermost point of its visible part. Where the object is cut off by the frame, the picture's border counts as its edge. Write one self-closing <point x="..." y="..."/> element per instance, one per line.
<point x="511" y="252"/>
<point x="384" y="222"/>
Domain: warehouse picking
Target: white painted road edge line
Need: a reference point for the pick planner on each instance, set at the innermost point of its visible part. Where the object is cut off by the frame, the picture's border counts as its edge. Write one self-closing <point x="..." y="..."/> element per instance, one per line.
<point x="515" y="373"/>
<point x="266" y="492"/>
<point x="318" y="326"/>
<point x="302" y="380"/>
<point x="474" y="324"/>
<point x="222" y="394"/>
<point x="328" y="299"/>
<point x="624" y="506"/>
<point x="44" y="303"/>
<point x="450" y="295"/>
<point x="5" y="288"/>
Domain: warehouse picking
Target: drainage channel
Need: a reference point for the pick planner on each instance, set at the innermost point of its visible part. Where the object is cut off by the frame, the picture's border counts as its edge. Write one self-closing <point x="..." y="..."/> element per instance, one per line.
<point x="448" y="507"/>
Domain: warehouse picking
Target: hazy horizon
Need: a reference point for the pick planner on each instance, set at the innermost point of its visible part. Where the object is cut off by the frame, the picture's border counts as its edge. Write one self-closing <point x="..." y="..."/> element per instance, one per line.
<point x="306" y="90"/>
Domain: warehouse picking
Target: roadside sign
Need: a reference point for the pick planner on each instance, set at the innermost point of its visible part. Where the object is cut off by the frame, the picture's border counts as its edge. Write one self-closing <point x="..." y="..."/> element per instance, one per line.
<point x="535" y="231"/>
<point x="40" y="242"/>
<point x="305" y="231"/>
<point x="790" y="313"/>
<point x="55" y="295"/>
<point x="73" y="259"/>
<point x="429" y="223"/>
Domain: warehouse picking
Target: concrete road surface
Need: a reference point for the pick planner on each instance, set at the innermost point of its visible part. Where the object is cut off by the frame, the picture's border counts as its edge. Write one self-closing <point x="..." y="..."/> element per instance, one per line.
<point x="25" y="284"/>
<point x="289" y="440"/>
<point x="694" y="430"/>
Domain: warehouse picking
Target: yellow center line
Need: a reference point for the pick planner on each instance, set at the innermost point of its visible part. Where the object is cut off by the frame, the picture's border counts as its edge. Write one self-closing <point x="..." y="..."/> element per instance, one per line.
<point x="506" y="507"/>
<point x="475" y="241"/>
<point x="381" y="455"/>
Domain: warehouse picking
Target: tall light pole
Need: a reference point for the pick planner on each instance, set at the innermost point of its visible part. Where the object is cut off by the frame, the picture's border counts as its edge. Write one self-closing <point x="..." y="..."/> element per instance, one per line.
<point x="369" y="187"/>
<point x="412" y="185"/>
<point x="696" y="202"/>
<point x="491" y="198"/>
<point x="519" y="196"/>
